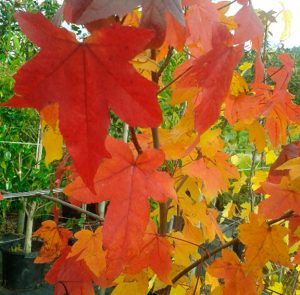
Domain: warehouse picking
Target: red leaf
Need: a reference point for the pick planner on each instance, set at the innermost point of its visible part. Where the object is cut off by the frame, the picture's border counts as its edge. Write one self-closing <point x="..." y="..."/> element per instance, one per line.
<point x="127" y="182"/>
<point x="249" y="27"/>
<point x="85" y="79"/>
<point x="213" y="73"/>
<point x="201" y="18"/>
<point x="155" y="253"/>
<point x="154" y="13"/>
<point x="70" y="276"/>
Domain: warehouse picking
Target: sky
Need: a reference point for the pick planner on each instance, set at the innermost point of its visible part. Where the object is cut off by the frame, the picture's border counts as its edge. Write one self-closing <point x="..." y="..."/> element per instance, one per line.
<point x="294" y="6"/>
<point x="293" y="39"/>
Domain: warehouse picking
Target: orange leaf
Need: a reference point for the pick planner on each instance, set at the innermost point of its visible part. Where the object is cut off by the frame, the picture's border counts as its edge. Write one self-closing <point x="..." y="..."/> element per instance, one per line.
<point x="215" y="174"/>
<point x="155" y="253"/>
<point x="263" y="243"/>
<point x="234" y="273"/>
<point x="88" y="247"/>
<point x="55" y="239"/>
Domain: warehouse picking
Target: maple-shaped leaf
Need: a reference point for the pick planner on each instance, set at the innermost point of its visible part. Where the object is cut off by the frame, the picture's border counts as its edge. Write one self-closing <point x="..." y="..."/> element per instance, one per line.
<point x="200" y="18"/>
<point x="236" y="278"/>
<point x="284" y="196"/>
<point x="244" y="108"/>
<point x="55" y="239"/>
<point x="88" y="247"/>
<point x="153" y="13"/>
<point x="70" y="276"/>
<point x="197" y="212"/>
<point x="127" y="182"/>
<point x="214" y="174"/>
<point x="155" y="252"/>
<point x="211" y="72"/>
<point x="263" y="243"/>
<point x="249" y="27"/>
<point x="86" y="79"/>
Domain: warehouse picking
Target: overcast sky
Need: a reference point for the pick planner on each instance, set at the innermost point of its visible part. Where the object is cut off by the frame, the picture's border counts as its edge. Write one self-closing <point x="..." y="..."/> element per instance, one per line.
<point x="294" y="6"/>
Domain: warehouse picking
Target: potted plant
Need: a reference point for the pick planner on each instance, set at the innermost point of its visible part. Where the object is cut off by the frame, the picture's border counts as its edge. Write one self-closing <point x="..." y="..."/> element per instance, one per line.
<point x="19" y="269"/>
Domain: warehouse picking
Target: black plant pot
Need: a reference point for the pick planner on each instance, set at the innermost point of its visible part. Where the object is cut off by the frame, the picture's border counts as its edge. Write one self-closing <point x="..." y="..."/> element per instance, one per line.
<point x="19" y="270"/>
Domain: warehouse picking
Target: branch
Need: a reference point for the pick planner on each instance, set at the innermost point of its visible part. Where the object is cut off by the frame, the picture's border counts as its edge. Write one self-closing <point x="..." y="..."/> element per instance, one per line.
<point x="288" y="214"/>
<point x="66" y="204"/>
<point x="135" y="141"/>
<point x="226" y="5"/>
<point x="165" y="64"/>
<point x="173" y="81"/>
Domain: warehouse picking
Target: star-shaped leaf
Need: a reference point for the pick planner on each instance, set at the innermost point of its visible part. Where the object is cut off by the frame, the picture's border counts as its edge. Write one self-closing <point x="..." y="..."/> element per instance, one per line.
<point x="127" y="182"/>
<point x="55" y="239"/>
<point x="263" y="243"/>
<point x="86" y="79"/>
<point x="88" y="247"/>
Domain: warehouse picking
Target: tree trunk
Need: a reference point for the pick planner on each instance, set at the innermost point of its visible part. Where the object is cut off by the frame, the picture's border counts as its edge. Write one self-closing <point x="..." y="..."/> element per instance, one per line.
<point x="29" y="227"/>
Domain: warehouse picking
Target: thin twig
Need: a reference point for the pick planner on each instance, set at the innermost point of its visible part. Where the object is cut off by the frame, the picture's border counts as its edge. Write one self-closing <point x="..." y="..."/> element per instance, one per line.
<point x="173" y="81"/>
<point x="165" y="64"/>
<point x="135" y="141"/>
<point x="226" y="5"/>
<point x="66" y="204"/>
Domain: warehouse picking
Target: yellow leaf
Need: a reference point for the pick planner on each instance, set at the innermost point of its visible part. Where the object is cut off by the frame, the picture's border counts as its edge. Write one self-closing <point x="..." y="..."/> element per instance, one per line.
<point x="133" y="18"/>
<point x="238" y="85"/>
<point x="189" y="188"/>
<point x="212" y="281"/>
<point x="133" y="284"/>
<point x="178" y="290"/>
<point x="145" y="65"/>
<point x="258" y="178"/>
<point x="270" y="156"/>
<point x="287" y="17"/>
<point x="277" y="287"/>
<point x="294" y="130"/>
<point x="229" y="210"/>
<point x="246" y="210"/>
<point x="237" y="185"/>
<point x="210" y="142"/>
<point x="245" y="67"/>
<point x="52" y="142"/>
